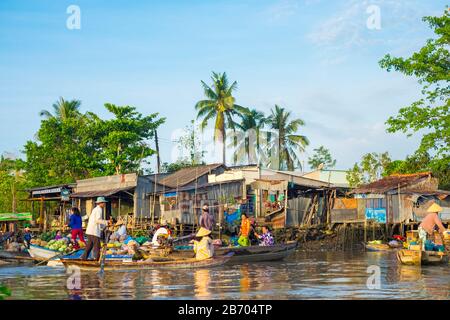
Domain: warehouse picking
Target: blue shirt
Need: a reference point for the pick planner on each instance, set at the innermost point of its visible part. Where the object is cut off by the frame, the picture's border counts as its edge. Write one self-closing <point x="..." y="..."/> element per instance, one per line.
<point x="75" y="222"/>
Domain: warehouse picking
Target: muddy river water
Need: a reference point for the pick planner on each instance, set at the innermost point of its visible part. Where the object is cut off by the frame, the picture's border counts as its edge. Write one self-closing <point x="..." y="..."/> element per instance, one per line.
<point x="312" y="275"/>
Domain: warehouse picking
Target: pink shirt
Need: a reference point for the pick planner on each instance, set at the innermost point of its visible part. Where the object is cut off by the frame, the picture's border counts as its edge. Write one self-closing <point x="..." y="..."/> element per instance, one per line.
<point x="430" y="221"/>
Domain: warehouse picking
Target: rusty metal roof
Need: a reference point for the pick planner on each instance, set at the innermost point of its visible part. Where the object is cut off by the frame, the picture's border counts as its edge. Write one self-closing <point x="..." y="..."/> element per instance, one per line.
<point x="186" y="175"/>
<point x="392" y="182"/>
<point x="99" y="193"/>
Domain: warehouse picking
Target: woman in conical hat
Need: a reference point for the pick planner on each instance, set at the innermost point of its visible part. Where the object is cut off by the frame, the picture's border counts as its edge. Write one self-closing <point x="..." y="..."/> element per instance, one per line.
<point x="203" y="245"/>
<point x="430" y="221"/>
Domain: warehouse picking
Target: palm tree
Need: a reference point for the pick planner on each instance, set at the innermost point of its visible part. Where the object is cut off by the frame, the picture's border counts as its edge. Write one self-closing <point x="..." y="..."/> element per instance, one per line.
<point x="63" y="110"/>
<point x="248" y="135"/>
<point x="287" y="142"/>
<point x="219" y="104"/>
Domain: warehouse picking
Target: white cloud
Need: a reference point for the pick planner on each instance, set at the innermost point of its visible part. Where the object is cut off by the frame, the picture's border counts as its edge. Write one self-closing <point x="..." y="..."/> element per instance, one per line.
<point x="282" y="9"/>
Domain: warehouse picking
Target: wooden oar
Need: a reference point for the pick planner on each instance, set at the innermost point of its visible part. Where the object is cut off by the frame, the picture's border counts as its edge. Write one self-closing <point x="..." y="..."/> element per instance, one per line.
<point x="103" y="254"/>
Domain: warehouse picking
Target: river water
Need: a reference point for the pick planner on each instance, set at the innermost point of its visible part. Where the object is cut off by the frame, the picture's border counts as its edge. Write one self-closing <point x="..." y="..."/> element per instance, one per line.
<point x="311" y="275"/>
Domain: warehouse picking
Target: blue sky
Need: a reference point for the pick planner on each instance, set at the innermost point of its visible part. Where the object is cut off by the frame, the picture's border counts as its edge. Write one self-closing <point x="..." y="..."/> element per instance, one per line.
<point x="314" y="57"/>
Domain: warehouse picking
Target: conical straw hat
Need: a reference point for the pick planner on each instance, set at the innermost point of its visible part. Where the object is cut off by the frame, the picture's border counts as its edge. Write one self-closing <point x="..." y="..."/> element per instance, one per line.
<point x="434" y="208"/>
<point x="203" y="232"/>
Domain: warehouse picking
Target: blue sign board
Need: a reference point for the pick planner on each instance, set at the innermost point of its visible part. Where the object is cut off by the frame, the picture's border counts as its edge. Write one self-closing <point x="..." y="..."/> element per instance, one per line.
<point x="377" y="214"/>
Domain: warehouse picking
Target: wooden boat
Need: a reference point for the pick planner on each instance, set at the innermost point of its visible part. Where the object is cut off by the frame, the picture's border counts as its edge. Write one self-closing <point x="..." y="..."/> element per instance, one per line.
<point x="417" y="257"/>
<point x="162" y="263"/>
<point x="250" y="253"/>
<point x="41" y="253"/>
<point x="259" y="253"/>
<point x="372" y="247"/>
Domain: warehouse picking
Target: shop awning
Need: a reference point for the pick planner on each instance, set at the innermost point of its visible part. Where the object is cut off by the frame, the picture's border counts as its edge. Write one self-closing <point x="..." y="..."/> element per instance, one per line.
<point x="26" y="216"/>
<point x="99" y="193"/>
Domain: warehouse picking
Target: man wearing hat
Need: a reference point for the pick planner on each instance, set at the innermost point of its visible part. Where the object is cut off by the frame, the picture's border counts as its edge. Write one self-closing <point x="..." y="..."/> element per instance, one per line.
<point x="206" y="219"/>
<point x="94" y="229"/>
<point x="430" y="221"/>
<point x="203" y="245"/>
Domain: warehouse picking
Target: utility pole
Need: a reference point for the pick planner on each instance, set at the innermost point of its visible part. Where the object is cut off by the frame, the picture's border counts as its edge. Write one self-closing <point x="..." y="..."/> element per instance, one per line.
<point x="158" y="159"/>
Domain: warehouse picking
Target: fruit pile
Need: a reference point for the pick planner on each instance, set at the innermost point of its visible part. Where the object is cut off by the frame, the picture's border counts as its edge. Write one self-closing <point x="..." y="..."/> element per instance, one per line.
<point x="59" y="245"/>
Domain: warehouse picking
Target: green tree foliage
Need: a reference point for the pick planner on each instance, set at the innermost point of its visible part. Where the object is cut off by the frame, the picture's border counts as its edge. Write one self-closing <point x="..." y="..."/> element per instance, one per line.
<point x="430" y="114"/>
<point x="12" y="183"/>
<point x="190" y="144"/>
<point x="247" y="142"/>
<point x="175" y="166"/>
<point x="64" y="151"/>
<point x="63" y="110"/>
<point x="79" y="146"/>
<point x="219" y="104"/>
<point x="125" y="138"/>
<point x="321" y="156"/>
<point x="371" y="168"/>
<point x="286" y="141"/>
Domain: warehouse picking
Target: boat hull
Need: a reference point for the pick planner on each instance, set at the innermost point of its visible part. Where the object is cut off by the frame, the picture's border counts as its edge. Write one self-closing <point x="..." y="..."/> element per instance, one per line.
<point x="259" y="253"/>
<point x="417" y="258"/>
<point x="41" y="253"/>
<point x="144" y="265"/>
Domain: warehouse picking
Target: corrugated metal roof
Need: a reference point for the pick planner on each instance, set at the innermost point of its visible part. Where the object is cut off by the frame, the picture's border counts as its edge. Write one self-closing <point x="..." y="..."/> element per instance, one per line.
<point x="99" y="193"/>
<point x="186" y="175"/>
<point x="200" y="187"/>
<point x="392" y="182"/>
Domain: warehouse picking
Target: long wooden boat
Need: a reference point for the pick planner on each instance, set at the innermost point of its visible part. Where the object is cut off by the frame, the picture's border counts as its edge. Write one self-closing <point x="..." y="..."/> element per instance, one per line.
<point x="41" y="253"/>
<point x="377" y="247"/>
<point x="164" y="263"/>
<point x="417" y="257"/>
<point x="250" y="253"/>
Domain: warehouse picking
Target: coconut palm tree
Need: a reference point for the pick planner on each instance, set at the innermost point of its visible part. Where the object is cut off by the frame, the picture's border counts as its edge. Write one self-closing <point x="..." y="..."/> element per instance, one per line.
<point x="63" y="110"/>
<point x="219" y="104"/>
<point x="249" y="128"/>
<point x="286" y="141"/>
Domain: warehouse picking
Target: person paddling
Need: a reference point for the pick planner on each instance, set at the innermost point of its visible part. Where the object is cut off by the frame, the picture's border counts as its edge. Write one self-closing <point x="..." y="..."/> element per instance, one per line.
<point x="94" y="229"/>
<point x="429" y="223"/>
<point x="203" y="245"/>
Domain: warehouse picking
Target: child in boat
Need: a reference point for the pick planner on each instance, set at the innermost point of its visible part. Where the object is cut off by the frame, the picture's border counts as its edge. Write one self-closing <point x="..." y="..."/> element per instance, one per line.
<point x="244" y="240"/>
<point x="27" y="237"/>
<point x="266" y="238"/>
<point x="203" y="245"/>
<point x="58" y="235"/>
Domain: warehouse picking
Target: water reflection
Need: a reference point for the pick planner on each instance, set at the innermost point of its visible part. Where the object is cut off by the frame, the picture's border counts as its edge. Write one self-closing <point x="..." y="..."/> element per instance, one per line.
<point x="303" y="276"/>
<point x="202" y="279"/>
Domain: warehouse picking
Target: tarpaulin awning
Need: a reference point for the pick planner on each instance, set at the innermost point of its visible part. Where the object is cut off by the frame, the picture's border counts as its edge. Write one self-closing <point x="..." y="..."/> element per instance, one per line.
<point x="99" y="193"/>
<point x="25" y="216"/>
<point x="270" y="185"/>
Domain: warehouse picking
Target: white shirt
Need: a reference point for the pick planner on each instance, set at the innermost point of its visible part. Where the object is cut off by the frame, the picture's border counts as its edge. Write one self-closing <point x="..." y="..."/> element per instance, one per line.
<point x="96" y="223"/>
<point x="122" y="230"/>
<point x="158" y="232"/>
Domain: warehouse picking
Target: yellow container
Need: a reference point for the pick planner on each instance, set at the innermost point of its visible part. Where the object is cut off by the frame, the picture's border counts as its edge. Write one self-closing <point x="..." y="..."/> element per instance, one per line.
<point x="447" y="235"/>
<point x="415" y="247"/>
<point x="412" y="236"/>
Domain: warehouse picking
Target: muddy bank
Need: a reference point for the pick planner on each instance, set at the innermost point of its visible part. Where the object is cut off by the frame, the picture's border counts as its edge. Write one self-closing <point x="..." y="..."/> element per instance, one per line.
<point x="341" y="237"/>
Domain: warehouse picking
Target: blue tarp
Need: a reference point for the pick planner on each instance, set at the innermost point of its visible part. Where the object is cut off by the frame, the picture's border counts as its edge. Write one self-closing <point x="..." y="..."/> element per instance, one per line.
<point x="377" y="214"/>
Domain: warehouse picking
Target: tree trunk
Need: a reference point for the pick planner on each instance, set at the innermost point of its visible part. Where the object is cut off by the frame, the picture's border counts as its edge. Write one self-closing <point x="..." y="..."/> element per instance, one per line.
<point x="158" y="159"/>
<point x="224" y="147"/>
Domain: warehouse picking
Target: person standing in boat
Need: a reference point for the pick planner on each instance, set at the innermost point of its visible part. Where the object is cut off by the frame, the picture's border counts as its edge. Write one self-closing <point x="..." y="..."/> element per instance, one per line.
<point x="203" y="245"/>
<point x="244" y="233"/>
<point x="75" y="224"/>
<point x="94" y="229"/>
<point x="266" y="238"/>
<point x="27" y="237"/>
<point x="429" y="223"/>
<point x="206" y="219"/>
